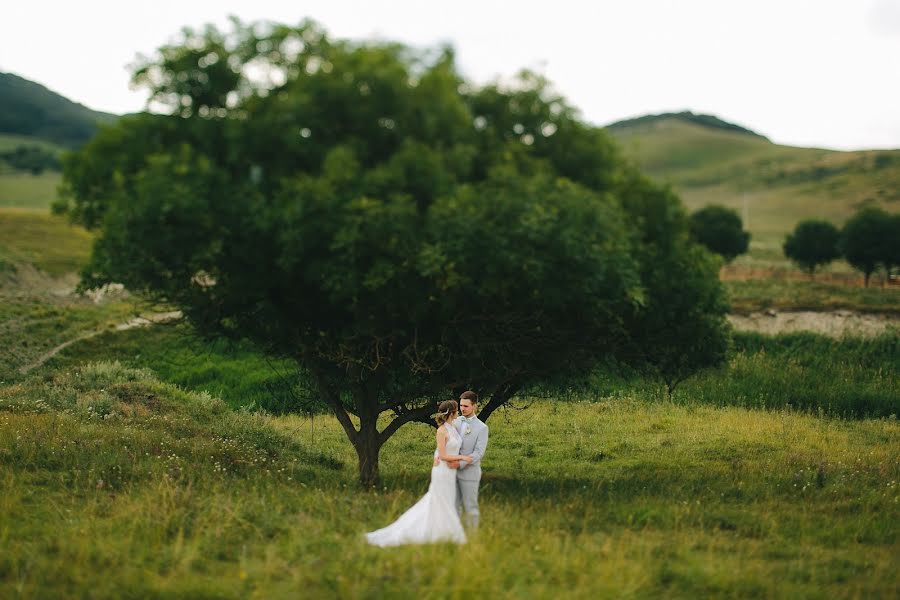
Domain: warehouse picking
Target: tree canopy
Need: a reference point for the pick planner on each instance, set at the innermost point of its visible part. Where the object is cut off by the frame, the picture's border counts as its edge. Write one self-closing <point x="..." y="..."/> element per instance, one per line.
<point x="868" y="240"/>
<point x="813" y="243"/>
<point x="399" y="232"/>
<point x="720" y="229"/>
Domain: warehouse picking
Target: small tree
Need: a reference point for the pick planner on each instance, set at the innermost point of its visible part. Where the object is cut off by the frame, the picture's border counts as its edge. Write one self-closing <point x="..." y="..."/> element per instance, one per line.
<point x="812" y="244"/>
<point x="720" y="229"/>
<point x="866" y="240"/>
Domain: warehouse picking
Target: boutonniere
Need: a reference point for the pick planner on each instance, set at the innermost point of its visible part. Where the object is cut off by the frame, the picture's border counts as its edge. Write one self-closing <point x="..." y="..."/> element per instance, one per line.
<point x="468" y="429"/>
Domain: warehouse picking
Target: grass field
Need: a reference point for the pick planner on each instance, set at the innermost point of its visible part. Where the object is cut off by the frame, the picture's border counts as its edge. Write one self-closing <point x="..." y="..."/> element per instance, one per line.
<point x="749" y="295"/>
<point x="23" y="190"/>
<point x="47" y="242"/>
<point x="114" y="484"/>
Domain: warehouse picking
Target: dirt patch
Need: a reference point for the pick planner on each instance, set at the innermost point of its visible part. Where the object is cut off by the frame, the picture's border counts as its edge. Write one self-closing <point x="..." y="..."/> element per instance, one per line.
<point x="836" y="323"/>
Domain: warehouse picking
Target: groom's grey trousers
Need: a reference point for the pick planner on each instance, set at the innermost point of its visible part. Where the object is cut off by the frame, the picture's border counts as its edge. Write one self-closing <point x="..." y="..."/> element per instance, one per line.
<point x="474" y="441"/>
<point x="467" y="498"/>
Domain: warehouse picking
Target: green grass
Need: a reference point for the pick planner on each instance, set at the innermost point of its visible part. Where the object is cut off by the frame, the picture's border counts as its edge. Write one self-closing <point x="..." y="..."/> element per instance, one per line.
<point x="847" y="378"/>
<point x="33" y="324"/>
<point x="23" y="190"/>
<point x="113" y="484"/>
<point x="850" y="377"/>
<point x="758" y="294"/>
<point x="45" y="241"/>
<point x="235" y="372"/>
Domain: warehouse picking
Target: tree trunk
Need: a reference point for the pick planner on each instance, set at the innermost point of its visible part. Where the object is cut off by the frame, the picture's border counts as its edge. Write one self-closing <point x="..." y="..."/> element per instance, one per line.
<point x="866" y="275"/>
<point x="368" y="442"/>
<point x="367" y="447"/>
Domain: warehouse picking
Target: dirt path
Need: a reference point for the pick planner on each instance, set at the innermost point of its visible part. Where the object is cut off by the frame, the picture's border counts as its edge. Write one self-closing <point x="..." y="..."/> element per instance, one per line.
<point x="141" y="321"/>
<point x="831" y="323"/>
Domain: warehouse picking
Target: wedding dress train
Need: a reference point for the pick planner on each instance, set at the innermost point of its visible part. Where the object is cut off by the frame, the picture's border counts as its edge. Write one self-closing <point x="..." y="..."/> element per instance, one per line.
<point x="433" y="518"/>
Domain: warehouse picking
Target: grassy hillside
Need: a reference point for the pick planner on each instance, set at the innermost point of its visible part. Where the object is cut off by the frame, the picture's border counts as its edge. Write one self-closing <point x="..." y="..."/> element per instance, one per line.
<point x="773" y="186"/>
<point x="30" y="109"/>
<point x="11" y="141"/>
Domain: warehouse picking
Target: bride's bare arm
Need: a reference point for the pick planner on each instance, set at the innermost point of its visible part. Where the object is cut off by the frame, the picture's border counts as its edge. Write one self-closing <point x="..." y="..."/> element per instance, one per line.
<point x="442" y="448"/>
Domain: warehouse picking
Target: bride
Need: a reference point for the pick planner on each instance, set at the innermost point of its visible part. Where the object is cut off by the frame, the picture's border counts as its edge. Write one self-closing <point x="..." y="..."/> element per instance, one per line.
<point x="433" y="518"/>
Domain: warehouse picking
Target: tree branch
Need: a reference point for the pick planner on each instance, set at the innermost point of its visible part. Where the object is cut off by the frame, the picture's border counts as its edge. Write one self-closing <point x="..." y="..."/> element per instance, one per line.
<point x="498" y="399"/>
<point x="334" y="401"/>
<point x="422" y="414"/>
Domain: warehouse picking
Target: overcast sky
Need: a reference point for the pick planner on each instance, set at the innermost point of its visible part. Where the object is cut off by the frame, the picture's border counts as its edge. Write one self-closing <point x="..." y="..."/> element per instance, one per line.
<point x="820" y="73"/>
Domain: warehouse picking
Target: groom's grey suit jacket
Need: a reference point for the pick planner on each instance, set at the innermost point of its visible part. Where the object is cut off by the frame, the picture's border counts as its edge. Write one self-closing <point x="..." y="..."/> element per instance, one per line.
<point x="474" y="441"/>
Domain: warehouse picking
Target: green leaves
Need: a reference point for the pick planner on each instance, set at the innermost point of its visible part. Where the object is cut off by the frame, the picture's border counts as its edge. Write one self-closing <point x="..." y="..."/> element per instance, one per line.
<point x="869" y="239"/>
<point x="395" y="230"/>
<point x="813" y="243"/>
<point x="720" y="229"/>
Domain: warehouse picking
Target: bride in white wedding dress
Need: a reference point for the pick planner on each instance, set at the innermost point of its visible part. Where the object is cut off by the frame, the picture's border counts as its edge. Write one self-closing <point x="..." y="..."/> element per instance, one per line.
<point x="433" y="518"/>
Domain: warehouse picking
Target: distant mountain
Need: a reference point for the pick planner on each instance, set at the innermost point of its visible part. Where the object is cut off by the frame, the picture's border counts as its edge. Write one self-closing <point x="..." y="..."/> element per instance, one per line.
<point x="30" y="109"/>
<point x="710" y="121"/>
<point x="710" y="161"/>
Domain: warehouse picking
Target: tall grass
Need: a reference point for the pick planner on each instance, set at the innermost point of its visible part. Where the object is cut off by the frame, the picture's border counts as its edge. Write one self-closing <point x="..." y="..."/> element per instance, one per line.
<point x="114" y="484"/>
<point x="851" y="377"/>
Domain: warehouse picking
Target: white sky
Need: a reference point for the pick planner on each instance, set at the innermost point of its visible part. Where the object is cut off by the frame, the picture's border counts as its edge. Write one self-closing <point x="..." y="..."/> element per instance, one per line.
<point x="802" y="72"/>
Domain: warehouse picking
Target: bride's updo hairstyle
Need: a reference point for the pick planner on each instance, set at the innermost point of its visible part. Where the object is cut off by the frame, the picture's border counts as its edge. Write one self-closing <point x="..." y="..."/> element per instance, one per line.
<point x="445" y="409"/>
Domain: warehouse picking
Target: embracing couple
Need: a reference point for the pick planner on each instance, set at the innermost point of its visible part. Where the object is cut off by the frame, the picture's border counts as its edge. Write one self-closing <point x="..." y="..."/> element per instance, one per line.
<point x="455" y="476"/>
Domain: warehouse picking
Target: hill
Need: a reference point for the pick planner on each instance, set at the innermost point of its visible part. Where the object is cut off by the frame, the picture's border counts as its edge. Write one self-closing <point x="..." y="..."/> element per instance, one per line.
<point x="710" y="161"/>
<point x="710" y="121"/>
<point x="30" y="109"/>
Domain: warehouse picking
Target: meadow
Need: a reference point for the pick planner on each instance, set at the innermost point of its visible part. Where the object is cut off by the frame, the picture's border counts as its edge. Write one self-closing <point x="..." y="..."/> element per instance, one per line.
<point x="116" y="484"/>
<point x="24" y="190"/>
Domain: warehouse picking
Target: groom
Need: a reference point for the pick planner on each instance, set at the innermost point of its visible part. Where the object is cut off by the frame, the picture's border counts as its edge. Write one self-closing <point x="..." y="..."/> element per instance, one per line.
<point x="474" y="441"/>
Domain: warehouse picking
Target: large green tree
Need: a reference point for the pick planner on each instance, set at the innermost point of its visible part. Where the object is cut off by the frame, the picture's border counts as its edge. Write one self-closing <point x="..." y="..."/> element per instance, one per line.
<point x="398" y="232"/>
<point x="812" y="244"/>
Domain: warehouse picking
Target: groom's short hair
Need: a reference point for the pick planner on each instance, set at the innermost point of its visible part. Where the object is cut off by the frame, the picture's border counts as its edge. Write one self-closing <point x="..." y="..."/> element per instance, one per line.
<point x="470" y="396"/>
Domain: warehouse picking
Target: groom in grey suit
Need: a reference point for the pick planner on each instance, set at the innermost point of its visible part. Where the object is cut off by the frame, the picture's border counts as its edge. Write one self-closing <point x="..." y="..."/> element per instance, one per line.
<point x="474" y="441"/>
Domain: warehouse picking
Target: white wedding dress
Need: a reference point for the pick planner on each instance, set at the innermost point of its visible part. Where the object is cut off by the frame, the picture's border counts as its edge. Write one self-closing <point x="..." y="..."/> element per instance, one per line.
<point x="433" y="518"/>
